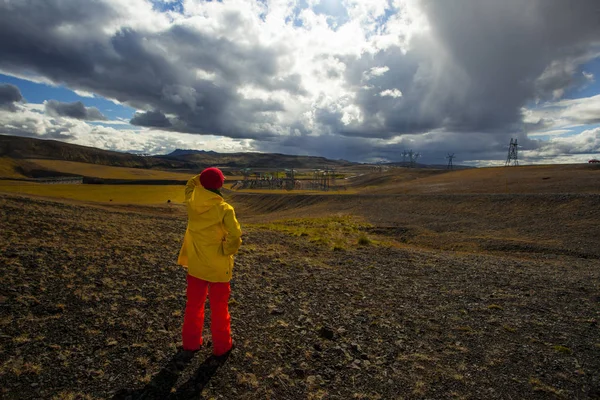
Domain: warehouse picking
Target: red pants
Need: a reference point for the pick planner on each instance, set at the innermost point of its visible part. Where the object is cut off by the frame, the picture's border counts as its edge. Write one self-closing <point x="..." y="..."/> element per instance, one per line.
<point x="193" y="321"/>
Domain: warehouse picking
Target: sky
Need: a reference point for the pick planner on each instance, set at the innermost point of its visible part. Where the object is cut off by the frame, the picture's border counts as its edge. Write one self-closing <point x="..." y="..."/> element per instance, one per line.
<point x="361" y="80"/>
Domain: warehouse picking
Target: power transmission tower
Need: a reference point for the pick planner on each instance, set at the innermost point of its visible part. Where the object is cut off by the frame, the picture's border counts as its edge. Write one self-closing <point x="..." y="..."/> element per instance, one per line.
<point x="332" y="180"/>
<point x="290" y="179"/>
<point x="513" y="154"/>
<point x="326" y="178"/>
<point x="450" y="157"/>
<point x="413" y="157"/>
<point x="410" y="158"/>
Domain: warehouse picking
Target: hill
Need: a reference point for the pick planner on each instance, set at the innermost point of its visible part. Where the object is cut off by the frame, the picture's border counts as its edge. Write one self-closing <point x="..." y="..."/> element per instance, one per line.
<point x="108" y="172"/>
<point x="381" y="180"/>
<point x="254" y="160"/>
<point x="560" y="178"/>
<point x="28" y="148"/>
<point x="185" y="152"/>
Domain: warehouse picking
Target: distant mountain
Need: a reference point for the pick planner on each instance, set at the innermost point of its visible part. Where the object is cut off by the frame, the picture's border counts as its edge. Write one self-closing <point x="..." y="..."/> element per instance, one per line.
<point x="17" y="147"/>
<point x="182" y="152"/>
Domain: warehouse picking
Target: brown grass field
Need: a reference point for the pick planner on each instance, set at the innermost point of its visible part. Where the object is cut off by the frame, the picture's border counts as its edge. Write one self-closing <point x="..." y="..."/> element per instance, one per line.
<point x="9" y="168"/>
<point x="127" y="194"/>
<point x="580" y="178"/>
<point x="21" y="168"/>
<point x="401" y="291"/>
<point x="108" y="172"/>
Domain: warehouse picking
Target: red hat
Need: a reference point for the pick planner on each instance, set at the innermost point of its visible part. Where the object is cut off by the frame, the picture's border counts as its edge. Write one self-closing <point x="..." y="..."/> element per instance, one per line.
<point x="212" y="178"/>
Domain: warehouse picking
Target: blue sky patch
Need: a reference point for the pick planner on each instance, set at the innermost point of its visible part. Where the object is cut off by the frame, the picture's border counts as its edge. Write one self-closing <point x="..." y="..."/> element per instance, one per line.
<point x="37" y="93"/>
<point x="302" y="5"/>
<point x="576" y="130"/>
<point x="164" y="6"/>
<point x="336" y="12"/>
<point x="589" y="89"/>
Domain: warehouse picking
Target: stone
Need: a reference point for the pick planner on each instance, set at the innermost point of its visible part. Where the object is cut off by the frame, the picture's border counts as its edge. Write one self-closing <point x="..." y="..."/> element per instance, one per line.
<point x="326" y="333"/>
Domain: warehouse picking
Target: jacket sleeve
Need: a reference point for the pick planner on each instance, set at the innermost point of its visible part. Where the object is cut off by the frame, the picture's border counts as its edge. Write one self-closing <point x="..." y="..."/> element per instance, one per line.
<point x="190" y="186"/>
<point x="233" y="240"/>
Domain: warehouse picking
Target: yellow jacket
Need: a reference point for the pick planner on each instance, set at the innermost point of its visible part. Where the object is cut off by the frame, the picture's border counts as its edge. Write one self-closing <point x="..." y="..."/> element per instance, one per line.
<point x="212" y="237"/>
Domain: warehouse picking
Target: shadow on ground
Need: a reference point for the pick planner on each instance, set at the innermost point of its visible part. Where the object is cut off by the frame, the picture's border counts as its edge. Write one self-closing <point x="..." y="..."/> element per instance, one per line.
<point x="162" y="384"/>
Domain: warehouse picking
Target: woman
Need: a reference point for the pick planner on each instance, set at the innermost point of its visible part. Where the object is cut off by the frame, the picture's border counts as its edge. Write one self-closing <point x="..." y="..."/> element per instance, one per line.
<point x="212" y="237"/>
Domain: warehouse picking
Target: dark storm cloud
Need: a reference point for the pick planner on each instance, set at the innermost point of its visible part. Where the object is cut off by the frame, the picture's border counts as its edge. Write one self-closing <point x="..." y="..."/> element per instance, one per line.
<point x="501" y="48"/>
<point x="482" y="63"/>
<point x="385" y="116"/>
<point x="75" y="110"/>
<point x="151" y="119"/>
<point x="559" y="76"/>
<point x="9" y="95"/>
<point x="132" y="67"/>
<point x="434" y="147"/>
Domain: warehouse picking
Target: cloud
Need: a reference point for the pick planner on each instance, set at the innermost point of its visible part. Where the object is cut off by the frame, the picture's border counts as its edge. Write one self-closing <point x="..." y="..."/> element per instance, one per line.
<point x="588" y="76"/>
<point x="561" y="75"/>
<point x="473" y="71"/>
<point x="581" y="146"/>
<point x="101" y="49"/>
<point x="555" y="132"/>
<point x="434" y="147"/>
<point x="75" y="110"/>
<point x="375" y="71"/>
<point x="579" y="111"/>
<point x="151" y="119"/>
<point x="31" y="121"/>
<point x="563" y="114"/>
<point x="395" y="93"/>
<point x="28" y="121"/>
<point x="83" y="93"/>
<point x="9" y="95"/>
<point x="369" y="75"/>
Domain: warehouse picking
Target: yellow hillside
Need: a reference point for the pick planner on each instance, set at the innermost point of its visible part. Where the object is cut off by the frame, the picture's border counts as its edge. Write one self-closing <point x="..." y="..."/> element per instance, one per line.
<point x="106" y="172"/>
<point x="9" y="168"/>
<point x="564" y="178"/>
<point x="128" y="194"/>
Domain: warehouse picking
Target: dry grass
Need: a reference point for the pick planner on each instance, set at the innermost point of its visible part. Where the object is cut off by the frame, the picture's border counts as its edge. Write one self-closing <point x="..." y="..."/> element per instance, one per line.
<point x="561" y="178"/>
<point x="9" y="168"/>
<point x="108" y="172"/>
<point x="466" y="223"/>
<point x="68" y="395"/>
<point x="126" y="194"/>
<point x="539" y="386"/>
<point x="338" y="232"/>
<point x="367" y="180"/>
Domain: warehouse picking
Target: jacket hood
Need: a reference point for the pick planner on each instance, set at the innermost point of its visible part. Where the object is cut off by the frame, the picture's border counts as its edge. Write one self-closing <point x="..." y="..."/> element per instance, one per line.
<point x="203" y="200"/>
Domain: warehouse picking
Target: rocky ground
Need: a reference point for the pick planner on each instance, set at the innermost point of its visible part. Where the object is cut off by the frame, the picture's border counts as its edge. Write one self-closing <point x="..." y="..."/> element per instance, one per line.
<point x="91" y="305"/>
